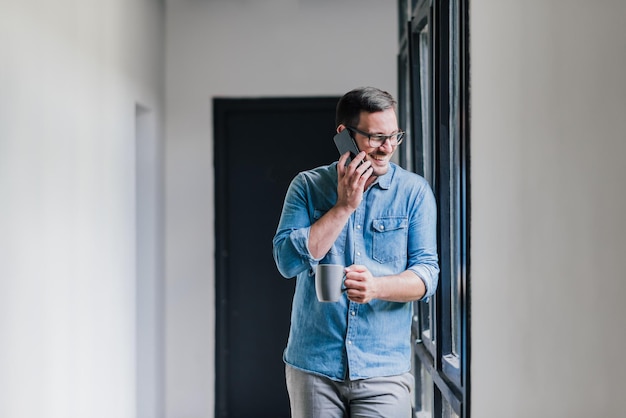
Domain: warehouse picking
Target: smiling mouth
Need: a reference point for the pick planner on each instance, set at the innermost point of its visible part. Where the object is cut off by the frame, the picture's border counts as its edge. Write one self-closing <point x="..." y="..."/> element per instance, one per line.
<point x="379" y="158"/>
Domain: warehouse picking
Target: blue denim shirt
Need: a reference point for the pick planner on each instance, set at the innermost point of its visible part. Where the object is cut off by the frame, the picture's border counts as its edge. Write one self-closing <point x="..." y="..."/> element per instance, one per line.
<point x="394" y="229"/>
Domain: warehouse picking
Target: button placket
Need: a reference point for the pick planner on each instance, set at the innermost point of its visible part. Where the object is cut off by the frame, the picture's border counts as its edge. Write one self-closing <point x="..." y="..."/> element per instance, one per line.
<point x="358" y="236"/>
<point x="351" y="332"/>
<point x="359" y="247"/>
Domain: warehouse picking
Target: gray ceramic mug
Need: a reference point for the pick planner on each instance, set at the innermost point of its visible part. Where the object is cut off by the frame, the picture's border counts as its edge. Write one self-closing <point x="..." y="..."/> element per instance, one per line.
<point x="329" y="282"/>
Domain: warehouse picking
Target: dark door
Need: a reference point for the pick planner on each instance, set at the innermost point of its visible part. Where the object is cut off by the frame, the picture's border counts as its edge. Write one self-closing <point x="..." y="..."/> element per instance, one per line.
<point x="260" y="145"/>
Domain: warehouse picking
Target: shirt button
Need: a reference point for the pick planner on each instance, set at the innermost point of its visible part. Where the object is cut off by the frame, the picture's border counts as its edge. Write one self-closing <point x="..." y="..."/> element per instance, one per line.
<point x="382" y="227"/>
<point x="358" y="253"/>
<point x="349" y="342"/>
<point x="353" y="313"/>
<point x="358" y="227"/>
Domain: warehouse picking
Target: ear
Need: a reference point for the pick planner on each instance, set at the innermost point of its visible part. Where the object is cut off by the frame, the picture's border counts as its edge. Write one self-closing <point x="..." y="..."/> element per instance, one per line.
<point x="341" y="127"/>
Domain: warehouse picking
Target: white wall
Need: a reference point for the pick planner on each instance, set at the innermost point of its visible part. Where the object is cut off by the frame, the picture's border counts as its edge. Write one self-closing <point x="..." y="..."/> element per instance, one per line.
<point x="548" y="147"/>
<point x="71" y="76"/>
<point x="242" y="49"/>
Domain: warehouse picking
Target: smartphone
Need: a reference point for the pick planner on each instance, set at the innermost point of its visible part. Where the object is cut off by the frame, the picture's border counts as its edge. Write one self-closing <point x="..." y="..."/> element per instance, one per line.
<point x="345" y="143"/>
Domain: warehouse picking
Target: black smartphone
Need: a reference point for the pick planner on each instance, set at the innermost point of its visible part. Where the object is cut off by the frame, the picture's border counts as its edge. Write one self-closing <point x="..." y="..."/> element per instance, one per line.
<point x="345" y="143"/>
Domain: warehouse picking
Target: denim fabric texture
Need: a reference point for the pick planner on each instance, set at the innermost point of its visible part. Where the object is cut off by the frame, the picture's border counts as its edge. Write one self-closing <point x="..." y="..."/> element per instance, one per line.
<point x="394" y="229"/>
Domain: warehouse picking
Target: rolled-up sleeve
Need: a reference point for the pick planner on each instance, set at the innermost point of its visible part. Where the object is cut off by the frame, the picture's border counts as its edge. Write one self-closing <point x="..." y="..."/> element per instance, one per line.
<point x="290" y="244"/>
<point x="422" y="251"/>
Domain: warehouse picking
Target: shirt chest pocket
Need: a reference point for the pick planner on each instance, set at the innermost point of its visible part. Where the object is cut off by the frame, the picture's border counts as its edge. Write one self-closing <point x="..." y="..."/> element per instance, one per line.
<point x="389" y="239"/>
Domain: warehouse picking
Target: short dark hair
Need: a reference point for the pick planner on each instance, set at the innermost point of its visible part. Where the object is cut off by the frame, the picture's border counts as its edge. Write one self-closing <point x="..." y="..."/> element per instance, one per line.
<point x="369" y="99"/>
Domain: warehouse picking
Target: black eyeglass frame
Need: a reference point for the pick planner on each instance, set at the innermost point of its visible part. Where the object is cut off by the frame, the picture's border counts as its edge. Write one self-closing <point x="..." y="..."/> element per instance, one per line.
<point x="379" y="138"/>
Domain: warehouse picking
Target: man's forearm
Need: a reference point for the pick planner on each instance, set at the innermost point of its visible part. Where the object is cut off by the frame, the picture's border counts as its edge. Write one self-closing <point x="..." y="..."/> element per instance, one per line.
<point x="325" y="231"/>
<point x="404" y="287"/>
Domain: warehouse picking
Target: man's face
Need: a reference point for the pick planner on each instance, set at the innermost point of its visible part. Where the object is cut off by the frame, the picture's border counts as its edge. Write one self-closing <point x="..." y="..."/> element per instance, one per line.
<point x="377" y="123"/>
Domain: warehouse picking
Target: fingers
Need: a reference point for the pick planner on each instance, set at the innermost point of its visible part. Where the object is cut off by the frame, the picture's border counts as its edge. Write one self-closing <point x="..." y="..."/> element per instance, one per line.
<point x="356" y="277"/>
<point x="341" y="166"/>
<point x="359" y="284"/>
<point x="351" y="179"/>
<point x="359" y="168"/>
<point x="356" y="268"/>
<point x="358" y="161"/>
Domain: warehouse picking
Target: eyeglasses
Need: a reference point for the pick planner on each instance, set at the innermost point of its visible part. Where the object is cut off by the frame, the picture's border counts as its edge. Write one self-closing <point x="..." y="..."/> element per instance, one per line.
<point x="377" y="140"/>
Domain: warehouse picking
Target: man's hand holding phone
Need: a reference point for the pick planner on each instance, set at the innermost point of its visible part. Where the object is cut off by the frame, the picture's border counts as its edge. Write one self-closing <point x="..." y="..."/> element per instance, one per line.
<point x="351" y="179"/>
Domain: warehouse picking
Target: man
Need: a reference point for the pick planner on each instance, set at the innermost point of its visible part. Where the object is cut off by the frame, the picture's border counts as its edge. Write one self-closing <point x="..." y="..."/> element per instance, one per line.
<point x="352" y="358"/>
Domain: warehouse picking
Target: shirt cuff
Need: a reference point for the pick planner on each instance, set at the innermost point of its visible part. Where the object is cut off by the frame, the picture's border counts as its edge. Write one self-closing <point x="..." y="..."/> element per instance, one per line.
<point x="424" y="273"/>
<point x="300" y="239"/>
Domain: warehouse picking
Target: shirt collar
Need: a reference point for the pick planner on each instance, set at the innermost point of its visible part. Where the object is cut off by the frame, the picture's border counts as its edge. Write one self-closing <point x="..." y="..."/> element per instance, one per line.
<point x="384" y="181"/>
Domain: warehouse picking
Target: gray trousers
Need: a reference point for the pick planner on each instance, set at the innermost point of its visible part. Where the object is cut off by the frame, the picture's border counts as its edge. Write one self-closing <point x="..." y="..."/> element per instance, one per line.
<point x="312" y="396"/>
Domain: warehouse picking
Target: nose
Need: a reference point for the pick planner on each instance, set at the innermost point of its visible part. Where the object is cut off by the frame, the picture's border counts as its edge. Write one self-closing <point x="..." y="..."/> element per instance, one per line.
<point x="387" y="145"/>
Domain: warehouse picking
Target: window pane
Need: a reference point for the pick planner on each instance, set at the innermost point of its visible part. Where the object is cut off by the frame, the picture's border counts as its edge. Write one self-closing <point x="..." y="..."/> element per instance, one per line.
<point x="425" y="318"/>
<point x="424" y="391"/>
<point x="424" y="65"/>
<point x="455" y="186"/>
<point x="447" y="411"/>
<point x="403" y="16"/>
<point x="405" y="110"/>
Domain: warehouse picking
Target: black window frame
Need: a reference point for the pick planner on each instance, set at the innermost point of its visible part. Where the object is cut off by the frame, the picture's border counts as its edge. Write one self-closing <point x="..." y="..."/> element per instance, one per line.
<point x="441" y="154"/>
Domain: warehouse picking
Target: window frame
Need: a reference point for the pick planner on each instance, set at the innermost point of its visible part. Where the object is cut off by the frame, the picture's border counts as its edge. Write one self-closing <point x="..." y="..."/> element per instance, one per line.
<point x="422" y="152"/>
<point x="439" y="151"/>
